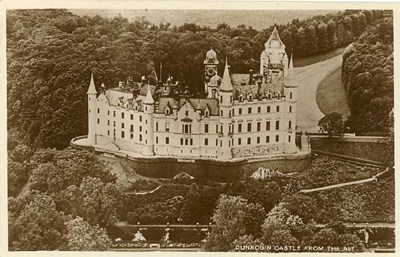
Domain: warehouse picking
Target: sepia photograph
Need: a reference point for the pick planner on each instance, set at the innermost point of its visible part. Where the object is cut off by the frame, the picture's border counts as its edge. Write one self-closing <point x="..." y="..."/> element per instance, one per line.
<point x="176" y="128"/>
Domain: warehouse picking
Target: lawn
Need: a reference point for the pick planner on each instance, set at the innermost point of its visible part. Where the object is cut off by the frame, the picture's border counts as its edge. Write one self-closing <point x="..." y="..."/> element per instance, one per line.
<point x="304" y="61"/>
<point x="331" y="95"/>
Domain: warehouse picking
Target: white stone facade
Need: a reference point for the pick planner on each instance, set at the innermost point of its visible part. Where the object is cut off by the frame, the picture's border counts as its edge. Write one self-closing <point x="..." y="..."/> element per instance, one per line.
<point x="227" y="123"/>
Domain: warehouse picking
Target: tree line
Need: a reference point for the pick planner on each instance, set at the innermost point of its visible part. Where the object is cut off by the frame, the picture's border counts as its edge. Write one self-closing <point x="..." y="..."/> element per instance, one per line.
<point x="367" y="74"/>
<point x="51" y="54"/>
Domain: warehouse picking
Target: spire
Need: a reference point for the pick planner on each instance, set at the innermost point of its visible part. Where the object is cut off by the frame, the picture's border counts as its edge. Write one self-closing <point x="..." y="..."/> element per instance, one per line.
<point x="149" y="98"/>
<point x="291" y="68"/>
<point x="198" y="106"/>
<point x="92" y="87"/>
<point x="226" y="84"/>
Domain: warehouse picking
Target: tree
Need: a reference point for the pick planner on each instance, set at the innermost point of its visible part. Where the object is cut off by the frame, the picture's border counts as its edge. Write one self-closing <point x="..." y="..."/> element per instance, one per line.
<point x="82" y="236"/>
<point x="36" y="225"/>
<point x="332" y="124"/>
<point x="302" y="205"/>
<point x="229" y="217"/>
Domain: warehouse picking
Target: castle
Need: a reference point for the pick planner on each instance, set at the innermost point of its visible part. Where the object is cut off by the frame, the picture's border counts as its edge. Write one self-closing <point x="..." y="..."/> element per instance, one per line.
<point x="242" y="115"/>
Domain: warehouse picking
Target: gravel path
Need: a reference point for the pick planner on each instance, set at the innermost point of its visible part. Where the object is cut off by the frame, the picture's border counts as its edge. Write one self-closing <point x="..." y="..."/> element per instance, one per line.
<point x="309" y="77"/>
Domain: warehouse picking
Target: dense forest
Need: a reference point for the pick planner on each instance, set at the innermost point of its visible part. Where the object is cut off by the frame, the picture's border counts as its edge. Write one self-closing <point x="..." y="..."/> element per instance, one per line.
<point x="51" y="53"/>
<point x="368" y="78"/>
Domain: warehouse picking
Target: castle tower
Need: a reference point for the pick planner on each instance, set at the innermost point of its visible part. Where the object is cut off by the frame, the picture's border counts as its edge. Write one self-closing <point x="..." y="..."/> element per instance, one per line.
<point x="274" y="60"/>
<point x="290" y="92"/>
<point x="147" y="123"/>
<point x="225" y="116"/>
<point x="91" y="112"/>
<point x="211" y="78"/>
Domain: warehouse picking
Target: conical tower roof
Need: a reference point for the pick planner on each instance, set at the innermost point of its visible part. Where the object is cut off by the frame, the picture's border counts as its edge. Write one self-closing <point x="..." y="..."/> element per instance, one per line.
<point x="92" y="87"/>
<point x="291" y="67"/>
<point x="149" y="98"/>
<point x="226" y="84"/>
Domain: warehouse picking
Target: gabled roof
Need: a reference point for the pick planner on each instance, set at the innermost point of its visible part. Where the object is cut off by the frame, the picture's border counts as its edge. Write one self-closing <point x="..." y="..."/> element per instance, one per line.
<point x="92" y="87"/>
<point x="274" y="36"/>
<point x="226" y="84"/>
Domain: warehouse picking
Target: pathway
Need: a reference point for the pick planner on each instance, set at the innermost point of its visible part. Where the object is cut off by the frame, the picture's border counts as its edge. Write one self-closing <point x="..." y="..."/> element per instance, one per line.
<point x="309" y="77"/>
<point x="361" y="181"/>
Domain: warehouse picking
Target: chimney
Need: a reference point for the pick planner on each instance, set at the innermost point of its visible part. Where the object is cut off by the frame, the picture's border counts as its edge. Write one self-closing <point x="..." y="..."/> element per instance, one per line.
<point x="251" y="78"/>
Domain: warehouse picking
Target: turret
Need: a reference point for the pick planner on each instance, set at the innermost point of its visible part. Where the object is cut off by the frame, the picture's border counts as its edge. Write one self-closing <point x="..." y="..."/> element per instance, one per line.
<point x="210" y="65"/>
<point x="91" y="112"/>
<point x="148" y="101"/>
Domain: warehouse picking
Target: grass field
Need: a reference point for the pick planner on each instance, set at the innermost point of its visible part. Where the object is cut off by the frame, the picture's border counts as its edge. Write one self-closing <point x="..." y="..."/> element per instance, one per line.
<point x="331" y="95"/>
<point x="304" y="61"/>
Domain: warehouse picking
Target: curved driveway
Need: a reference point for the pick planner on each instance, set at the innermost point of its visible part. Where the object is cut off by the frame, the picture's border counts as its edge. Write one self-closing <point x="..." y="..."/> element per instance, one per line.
<point x="309" y="77"/>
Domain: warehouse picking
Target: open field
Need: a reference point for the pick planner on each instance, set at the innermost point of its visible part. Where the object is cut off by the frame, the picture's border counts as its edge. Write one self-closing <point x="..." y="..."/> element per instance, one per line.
<point x="331" y="95"/>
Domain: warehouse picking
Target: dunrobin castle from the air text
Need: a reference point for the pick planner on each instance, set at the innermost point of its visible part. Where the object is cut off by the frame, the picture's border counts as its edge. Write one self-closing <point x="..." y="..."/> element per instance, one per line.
<point x="242" y="115"/>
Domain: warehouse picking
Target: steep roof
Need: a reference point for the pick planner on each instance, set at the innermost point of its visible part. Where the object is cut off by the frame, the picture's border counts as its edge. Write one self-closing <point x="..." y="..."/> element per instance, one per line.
<point x="226" y="84"/>
<point x="274" y="37"/>
<point x="92" y="87"/>
<point x="149" y="98"/>
<point x="199" y="103"/>
<point x="291" y="68"/>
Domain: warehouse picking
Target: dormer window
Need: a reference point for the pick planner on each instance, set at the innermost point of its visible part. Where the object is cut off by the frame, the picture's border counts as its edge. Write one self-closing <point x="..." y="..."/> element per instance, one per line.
<point x="240" y="98"/>
<point x="250" y="97"/>
<point x="167" y="111"/>
<point x="206" y="113"/>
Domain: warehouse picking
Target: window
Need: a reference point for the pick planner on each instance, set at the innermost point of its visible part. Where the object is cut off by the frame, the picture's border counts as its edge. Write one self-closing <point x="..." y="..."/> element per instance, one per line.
<point x="216" y="142"/>
<point x="167" y="126"/>
<point x="277" y="125"/>
<point x="122" y="115"/>
<point x="145" y="121"/>
<point x="122" y="125"/>
<point x="131" y="130"/>
<point x="114" y="123"/>
<point x="186" y="113"/>
<point x="239" y="141"/>
<point x="167" y="140"/>
<point x="258" y="126"/>
<point x="205" y="128"/>
<point x="290" y="108"/>
<point x="108" y="112"/>
<point x="249" y="110"/>
<point x="248" y="127"/>
<point x="267" y="139"/>
<point x="233" y="112"/>
<point x="122" y="134"/>
<point x="291" y="95"/>
<point x="108" y="132"/>
<point x="240" y="127"/>
<point x="277" y="108"/>
<point x="258" y="140"/>
<point x="268" y="125"/>
<point x="222" y="113"/>
<point x="220" y="143"/>
<point x="289" y="138"/>
<point x="277" y="138"/>
<point x="221" y="98"/>
<point x="167" y="111"/>
<point x="191" y="141"/>
<point x="140" y="118"/>
<point x="205" y="141"/>
<point x="98" y="110"/>
<point x="108" y="122"/>
<point x="248" y="140"/>
<point x="131" y="136"/>
<point x="259" y="109"/>
<point x="156" y="126"/>
<point x="156" y="140"/>
<point x="140" y="137"/>
<point x="290" y="124"/>
<point x="98" y="121"/>
<point x="233" y="128"/>
<point x="140" y="128"/>
<point x="114" y="113"/>
<point x="186" y="128"/>
<point x="181" y="141"/>
<point x="268" y="108"/>
<point x="131" y="116"/>
<point x="216" y="128"/>
<point x="240" y="111"/>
